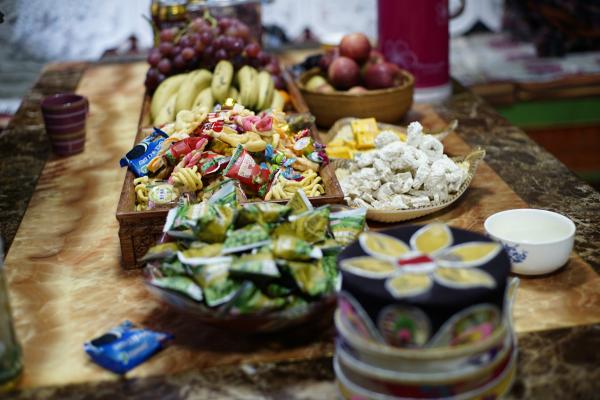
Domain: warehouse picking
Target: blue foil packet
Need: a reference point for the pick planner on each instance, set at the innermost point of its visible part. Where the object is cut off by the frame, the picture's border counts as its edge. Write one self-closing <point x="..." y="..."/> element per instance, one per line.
<point x="125" y="347"/>
<point x="142" y="153"/>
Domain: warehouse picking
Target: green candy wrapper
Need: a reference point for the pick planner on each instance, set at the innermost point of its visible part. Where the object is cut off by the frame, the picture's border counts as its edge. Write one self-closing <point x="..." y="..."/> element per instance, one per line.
<point x="330" y="247"/>
<point x="291" y="248"/>
<point x="309" y="276"/>
<point x="311" y="226"/>
<point x="201" y="255"/>
<point x="251" y="300"/>
<point x="161" y="251"/>
<point x="182" y="219"/>
<point x="213" y="222"/>
<point x="246" y="238"/>
<point x="264" y="213"/>
<point x="214" y="279"/>
<point x="180" y="284"/>
<point x="172" y="268"/>
<point x="347" y="225"/>
<point x="225" y="195"/>
<point x="260" y="265"/>
<point x="299" y="203"/>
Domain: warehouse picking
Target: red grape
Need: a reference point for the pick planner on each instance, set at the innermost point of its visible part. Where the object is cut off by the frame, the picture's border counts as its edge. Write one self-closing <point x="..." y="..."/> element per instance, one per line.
<point x="167" y="35"/>
<point x="199" y="47"/>
<point x="176" y="51"/>
<point x="273" y="67"/>
<point x="179" y="62"/>
<point x="166" y="48"/>
<point x="164" y="66"/>
<point x="161" y="78"/>
<point x="224" y="23"/>
<point x="154" y="57"/>
<point x="219" y="42"/>
<point x="188" y="53"/>
<point x="242" y="31"/>
<point x="199" y="25"/>
<point x="264" y="58"/>
<point x="236" y="46"/>
<point x="252" y="50"/>
<point x="221" y="54"/>
<point x="185" y="41"/>
<point x="206" y="37"/>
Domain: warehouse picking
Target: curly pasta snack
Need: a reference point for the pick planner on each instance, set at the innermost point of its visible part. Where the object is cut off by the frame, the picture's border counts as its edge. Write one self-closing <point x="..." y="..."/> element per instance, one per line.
<point x="189" y="179"/>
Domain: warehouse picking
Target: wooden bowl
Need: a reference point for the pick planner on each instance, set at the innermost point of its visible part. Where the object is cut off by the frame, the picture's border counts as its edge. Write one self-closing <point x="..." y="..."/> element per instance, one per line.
<point x="385" y="105"/>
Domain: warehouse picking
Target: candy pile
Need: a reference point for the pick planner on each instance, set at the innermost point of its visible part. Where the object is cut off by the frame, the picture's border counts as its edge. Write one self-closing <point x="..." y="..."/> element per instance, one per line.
<point x="270" y="156"/>
<point x="255" y="257"/>
<point x="402" y="175"/>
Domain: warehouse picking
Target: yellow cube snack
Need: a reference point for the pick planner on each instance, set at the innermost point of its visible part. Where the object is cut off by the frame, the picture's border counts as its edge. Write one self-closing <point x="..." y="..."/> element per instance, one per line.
<point x="365" y="141"/>
<point x="337" y="142"/>
<point x="364" y="125"/>
<point x="339" y="152"/>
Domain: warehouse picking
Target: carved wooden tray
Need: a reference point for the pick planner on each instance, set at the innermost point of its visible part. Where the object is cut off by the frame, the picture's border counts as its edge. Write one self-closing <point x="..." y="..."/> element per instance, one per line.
<point x="138" y="230"/>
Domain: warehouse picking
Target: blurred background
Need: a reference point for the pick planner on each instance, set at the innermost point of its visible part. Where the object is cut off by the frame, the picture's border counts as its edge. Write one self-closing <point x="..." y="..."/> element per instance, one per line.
<point x="536" y="61"/>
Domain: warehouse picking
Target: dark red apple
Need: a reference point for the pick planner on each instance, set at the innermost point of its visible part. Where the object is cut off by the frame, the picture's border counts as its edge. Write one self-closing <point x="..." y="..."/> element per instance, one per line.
<point x="343" y="73"/>
<point x="379" y="76"/>
<point x="355" y="46"/>
<point x="329" y="55"/>
<point x="376" y="57"/>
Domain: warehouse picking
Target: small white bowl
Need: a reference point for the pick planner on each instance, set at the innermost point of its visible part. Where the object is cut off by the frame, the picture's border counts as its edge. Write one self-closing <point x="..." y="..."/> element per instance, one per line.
<point x="537" y="241"/>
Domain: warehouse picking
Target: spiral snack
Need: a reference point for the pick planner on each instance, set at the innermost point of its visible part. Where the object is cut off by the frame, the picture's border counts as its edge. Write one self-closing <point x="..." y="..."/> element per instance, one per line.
<point x="188" y="179"/>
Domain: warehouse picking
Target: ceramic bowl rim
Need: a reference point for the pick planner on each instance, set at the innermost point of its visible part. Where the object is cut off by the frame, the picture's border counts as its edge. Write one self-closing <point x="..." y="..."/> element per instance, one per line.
<point x="550" y="214"/>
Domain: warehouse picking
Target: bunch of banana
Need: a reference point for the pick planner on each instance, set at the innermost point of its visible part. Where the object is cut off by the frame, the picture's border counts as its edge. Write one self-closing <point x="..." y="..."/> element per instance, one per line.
<point x="201" y="88"/>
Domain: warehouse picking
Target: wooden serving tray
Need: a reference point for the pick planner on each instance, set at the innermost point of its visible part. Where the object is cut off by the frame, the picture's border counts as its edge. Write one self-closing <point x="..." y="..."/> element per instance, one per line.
<point x="139" y="230"/>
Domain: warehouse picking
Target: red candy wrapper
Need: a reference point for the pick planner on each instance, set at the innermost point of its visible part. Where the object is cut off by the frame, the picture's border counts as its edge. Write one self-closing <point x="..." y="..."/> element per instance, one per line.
<point x="184" y="147"/>
<point x="243" y="168"/>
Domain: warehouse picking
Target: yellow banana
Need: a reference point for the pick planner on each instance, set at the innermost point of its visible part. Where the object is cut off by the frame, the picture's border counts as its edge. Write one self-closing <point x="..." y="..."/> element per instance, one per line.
<point x="233" y="93"/>
<point x="248" y="82"/>
<point x="163" y="93"/>
<point x="278" y="101"/>
<point x="221" y="82"/>
<point x="266" y="87"/>
<point x="204" y="99"/>
<point x="167" y="113"/>
<point x="189" y="89"/>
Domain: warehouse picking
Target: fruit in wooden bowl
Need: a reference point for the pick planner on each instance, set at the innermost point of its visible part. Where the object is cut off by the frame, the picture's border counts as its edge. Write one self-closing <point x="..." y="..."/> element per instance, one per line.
<point x="329" y="105"/>
<point x="354" y="80"/>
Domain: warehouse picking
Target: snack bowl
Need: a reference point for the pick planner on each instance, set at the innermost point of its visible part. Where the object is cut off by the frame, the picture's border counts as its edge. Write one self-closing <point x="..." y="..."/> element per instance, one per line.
<point x="395" y="215"/>
<point x="386" y="105"/>
<point x="537" y="241"/>
<point x="266" y="322"/>
<point x="492" y="389"/>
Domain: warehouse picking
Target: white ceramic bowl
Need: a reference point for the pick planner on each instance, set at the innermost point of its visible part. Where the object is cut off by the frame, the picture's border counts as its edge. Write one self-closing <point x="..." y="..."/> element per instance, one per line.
<point x="537" y="241"/>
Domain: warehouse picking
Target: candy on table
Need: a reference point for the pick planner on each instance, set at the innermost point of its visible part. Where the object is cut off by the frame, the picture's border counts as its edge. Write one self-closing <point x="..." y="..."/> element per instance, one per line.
<point x="252" y="257"/>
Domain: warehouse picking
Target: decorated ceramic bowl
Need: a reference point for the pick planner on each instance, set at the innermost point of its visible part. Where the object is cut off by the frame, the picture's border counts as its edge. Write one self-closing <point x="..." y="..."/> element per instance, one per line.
<point x="423" y="287"/>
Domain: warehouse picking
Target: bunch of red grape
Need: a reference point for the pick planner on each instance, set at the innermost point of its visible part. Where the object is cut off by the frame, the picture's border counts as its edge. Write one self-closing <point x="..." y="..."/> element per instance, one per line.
<point x="201" y="44"/>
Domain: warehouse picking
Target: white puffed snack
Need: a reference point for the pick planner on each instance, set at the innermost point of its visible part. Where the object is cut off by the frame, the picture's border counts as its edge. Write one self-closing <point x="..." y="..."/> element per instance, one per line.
<point x="401" y="175"/>
<point x="384" y="138"/>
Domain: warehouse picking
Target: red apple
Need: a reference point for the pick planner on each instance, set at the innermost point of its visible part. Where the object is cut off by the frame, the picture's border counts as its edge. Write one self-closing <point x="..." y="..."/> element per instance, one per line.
<point x="376" y="57"/>
<point x="379" y="76"/>
<point x="343" y="73"/>
<point x="329" y="55"/>
<point x="355" y="46"/>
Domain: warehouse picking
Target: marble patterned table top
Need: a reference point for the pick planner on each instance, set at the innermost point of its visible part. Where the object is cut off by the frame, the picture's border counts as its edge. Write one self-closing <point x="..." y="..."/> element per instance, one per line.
<point x="66" y="284"/>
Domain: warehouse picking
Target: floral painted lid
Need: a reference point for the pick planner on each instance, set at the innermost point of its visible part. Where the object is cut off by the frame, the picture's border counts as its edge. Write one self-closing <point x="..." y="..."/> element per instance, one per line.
<point x="412" y="280"/>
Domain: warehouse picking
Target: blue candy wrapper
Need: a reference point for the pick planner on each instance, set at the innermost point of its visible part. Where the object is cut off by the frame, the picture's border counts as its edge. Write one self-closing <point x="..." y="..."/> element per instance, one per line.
<point x="125" y="347"/>
<point x="142" y="153"/>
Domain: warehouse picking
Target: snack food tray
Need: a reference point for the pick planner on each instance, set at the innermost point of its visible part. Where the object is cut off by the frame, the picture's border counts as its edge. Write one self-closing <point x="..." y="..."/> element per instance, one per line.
<point x="138" y="230"/>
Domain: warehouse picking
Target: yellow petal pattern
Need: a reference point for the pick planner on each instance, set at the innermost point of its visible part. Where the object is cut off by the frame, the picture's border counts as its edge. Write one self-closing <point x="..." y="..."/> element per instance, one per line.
<point x="408" y="284"/>
<point x="469" y="254"/>
<point x="431" y="238"/>
<point x="463" y="278"/>
<point x="369" y="267"/>
<point x="382" y="246"/>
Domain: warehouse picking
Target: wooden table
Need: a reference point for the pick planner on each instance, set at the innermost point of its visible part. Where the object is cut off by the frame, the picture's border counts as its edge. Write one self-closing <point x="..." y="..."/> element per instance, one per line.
<point x="66" y="284"/>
